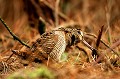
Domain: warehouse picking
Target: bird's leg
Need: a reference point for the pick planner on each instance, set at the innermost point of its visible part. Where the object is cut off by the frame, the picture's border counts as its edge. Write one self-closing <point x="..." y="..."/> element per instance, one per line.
<point x="48" y="61"/>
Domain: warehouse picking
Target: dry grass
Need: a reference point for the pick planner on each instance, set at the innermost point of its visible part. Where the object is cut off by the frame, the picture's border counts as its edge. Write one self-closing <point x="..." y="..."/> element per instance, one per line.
<point x="23" y="18"/>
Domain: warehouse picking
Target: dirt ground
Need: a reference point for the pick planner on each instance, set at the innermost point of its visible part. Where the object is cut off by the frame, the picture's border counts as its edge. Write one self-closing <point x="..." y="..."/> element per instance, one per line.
<point x="28" y="19"/>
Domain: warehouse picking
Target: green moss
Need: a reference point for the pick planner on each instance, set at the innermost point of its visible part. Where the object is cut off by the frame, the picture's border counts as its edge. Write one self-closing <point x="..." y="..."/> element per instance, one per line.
<point x="37" y="73"/>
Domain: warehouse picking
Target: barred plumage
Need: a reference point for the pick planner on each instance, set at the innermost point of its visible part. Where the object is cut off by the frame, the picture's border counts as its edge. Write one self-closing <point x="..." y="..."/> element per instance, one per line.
<point x="59" y="47"/>
<point x="54" y="43"/>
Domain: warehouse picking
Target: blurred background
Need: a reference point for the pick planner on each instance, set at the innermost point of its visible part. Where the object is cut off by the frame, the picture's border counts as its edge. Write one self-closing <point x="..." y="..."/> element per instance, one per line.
<point x="89" y="13"/>
<point x="30" y="18"/>
<point x="23" y="16"/>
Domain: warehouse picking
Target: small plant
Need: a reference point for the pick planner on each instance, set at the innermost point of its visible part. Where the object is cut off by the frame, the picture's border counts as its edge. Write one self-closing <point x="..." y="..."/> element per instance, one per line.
<point x="37" y="73"/>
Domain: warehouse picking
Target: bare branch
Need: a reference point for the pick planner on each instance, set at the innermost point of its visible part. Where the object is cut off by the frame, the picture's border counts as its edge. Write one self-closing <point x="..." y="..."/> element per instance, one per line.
<point x="14" y="36"/>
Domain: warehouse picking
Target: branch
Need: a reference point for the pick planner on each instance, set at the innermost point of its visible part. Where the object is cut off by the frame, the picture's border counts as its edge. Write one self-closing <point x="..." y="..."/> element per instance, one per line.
<point x="90" y="34"/>
<point x="63" y="16"/>
<point x="116" y="44"/>
<point x="102" y="55"/>
<point x="14" y="36"/>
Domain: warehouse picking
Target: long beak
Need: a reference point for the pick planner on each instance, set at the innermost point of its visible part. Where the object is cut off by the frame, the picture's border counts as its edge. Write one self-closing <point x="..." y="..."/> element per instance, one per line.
<point x="89" y="46"/>
<point x="94" y="51"/>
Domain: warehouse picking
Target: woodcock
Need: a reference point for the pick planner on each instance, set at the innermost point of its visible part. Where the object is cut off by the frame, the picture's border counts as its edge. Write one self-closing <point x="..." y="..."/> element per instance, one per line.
<point x="53" y="44"/>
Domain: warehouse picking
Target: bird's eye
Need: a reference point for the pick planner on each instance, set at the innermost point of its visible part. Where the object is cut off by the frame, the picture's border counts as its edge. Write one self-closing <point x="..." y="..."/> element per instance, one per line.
<point x="80" y="32"/>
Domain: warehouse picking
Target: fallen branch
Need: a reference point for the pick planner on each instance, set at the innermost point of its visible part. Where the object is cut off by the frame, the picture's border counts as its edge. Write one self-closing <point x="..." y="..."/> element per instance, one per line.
<point x="14" y="36"/>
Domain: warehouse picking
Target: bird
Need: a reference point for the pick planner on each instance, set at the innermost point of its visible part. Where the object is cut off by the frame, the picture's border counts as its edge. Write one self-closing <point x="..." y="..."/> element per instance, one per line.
<point x="53" y="43"/>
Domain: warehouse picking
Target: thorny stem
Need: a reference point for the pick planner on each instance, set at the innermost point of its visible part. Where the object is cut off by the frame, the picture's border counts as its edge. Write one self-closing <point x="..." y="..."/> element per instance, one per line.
<point x="14" y="36"/>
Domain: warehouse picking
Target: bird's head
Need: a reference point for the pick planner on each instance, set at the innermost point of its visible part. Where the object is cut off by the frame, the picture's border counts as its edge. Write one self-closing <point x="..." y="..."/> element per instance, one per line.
<point x="73" y="34"/>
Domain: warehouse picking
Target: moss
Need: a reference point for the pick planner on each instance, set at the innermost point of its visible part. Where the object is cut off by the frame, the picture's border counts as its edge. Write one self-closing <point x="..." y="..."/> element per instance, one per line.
<point x="37" y="73"/>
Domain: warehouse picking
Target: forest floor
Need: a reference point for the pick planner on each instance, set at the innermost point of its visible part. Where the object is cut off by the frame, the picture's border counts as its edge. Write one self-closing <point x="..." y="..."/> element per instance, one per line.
<point x="91" y="16"/>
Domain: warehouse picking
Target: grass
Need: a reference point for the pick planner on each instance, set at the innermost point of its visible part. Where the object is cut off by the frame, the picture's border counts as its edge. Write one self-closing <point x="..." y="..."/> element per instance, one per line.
<point x="23" y="20"/>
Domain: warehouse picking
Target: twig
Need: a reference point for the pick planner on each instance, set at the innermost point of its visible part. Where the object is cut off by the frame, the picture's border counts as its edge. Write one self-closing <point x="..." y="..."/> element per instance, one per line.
<point x="5" y="67"/>
<point x="116" y="44"/>
<point x="108" y="17"/>
<point x="9" y="57"/>
<point x="108" y="50"/>
<point x="95" y="53"/>
<point x="99" y="37"/>
<point x="89" y="34"/>
<point x="63" y="16"/>
<point x="14" y="36"/>
<point x="103" y="55"/>
<point x="56" y="13"/>
<point x="82" y="50"/>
